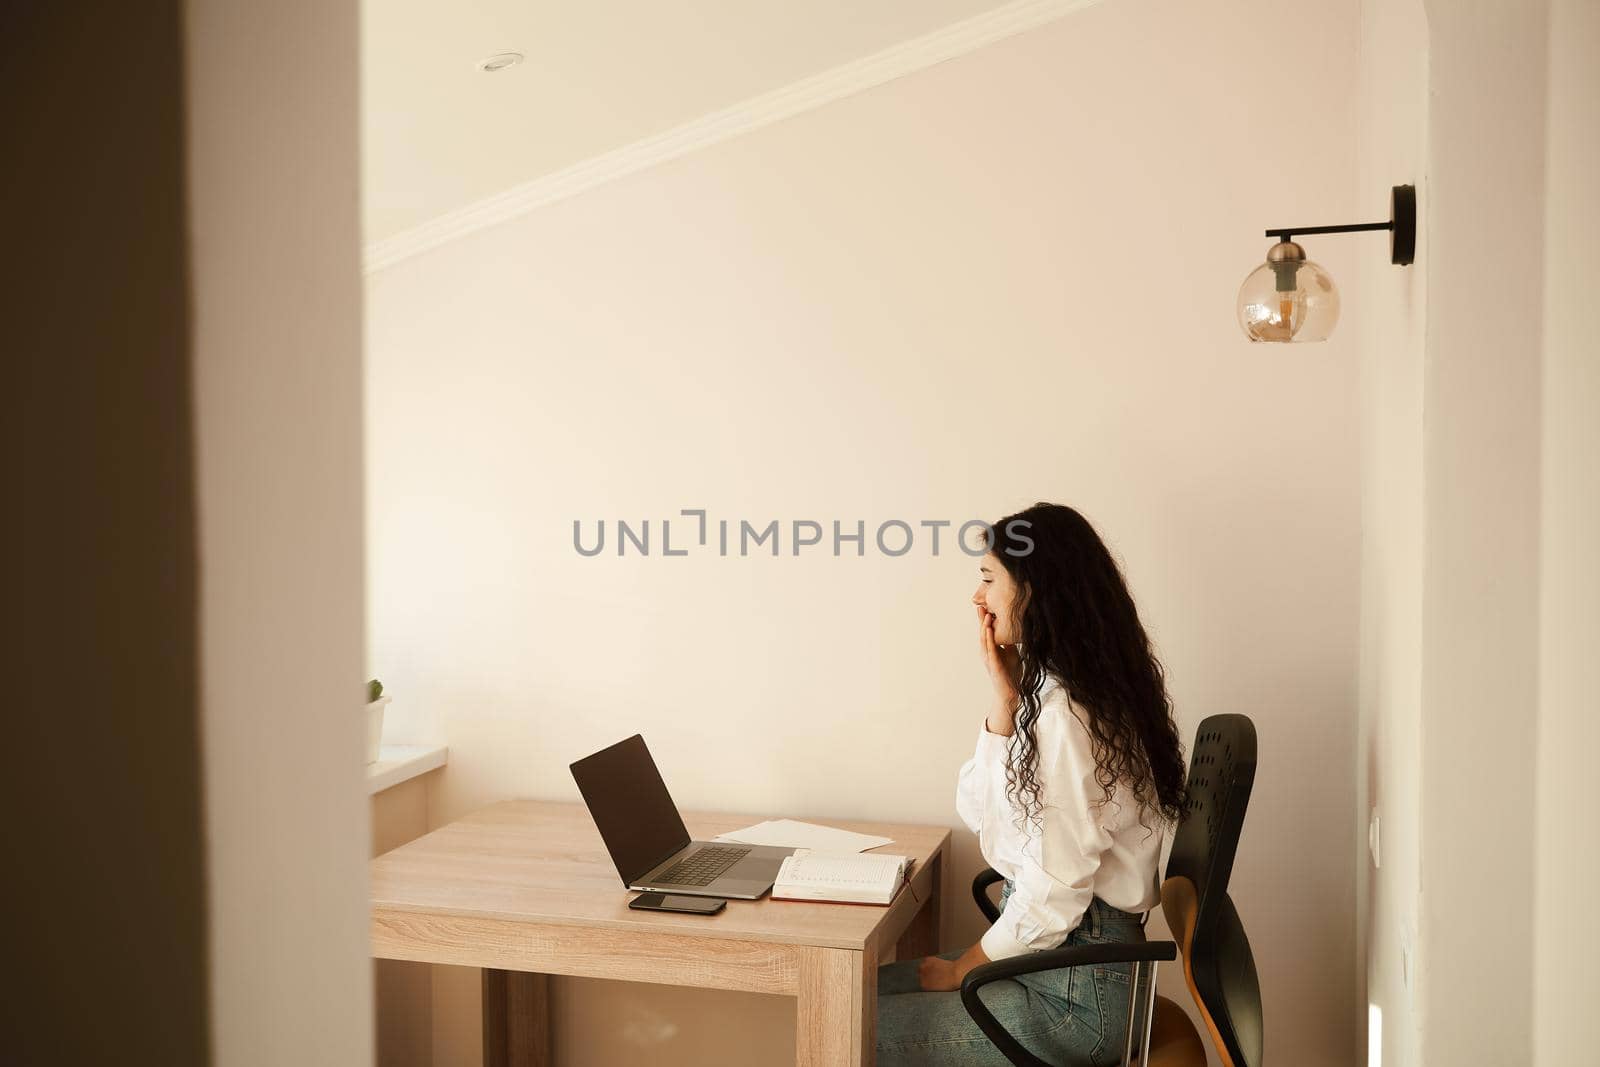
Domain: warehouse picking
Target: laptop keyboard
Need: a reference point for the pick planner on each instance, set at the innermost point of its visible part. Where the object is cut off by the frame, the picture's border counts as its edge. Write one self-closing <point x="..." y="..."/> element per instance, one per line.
<point x="702" y="868"/>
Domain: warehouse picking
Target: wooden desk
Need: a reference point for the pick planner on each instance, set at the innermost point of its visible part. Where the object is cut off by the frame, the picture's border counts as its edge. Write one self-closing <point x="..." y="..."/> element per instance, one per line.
<point x="526" y="889"/>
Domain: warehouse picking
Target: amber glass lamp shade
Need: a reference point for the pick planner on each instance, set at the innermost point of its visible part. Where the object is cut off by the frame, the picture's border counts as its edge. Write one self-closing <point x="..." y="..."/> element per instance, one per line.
<point x="1288" y="298"/>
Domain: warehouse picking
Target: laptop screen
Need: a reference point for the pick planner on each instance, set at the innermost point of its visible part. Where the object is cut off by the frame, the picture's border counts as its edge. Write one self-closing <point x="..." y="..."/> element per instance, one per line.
<point x="631" y="807"/>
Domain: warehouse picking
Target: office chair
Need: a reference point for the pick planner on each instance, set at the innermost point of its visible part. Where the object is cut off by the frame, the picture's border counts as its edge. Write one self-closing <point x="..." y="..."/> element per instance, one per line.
<point x="1217" y="964"/>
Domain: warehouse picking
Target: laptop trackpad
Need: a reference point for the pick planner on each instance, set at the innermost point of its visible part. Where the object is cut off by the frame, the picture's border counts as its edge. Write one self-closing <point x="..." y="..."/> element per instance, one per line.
<point x="761" y="864"/>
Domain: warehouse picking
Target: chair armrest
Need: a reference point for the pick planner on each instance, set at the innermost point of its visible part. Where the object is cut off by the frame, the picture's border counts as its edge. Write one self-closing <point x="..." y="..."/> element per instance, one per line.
<point x="980" y="885"/>
<point x="1071" y="956"/>
<point x="1049" y="960"/>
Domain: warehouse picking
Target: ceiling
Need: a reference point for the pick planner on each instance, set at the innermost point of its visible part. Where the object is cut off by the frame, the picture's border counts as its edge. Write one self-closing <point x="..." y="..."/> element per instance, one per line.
<point x="439" y="135"/>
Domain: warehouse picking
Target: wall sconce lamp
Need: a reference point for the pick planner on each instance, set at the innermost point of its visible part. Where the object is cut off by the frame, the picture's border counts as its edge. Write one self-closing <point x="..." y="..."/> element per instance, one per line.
<point x="1290" y="298"/>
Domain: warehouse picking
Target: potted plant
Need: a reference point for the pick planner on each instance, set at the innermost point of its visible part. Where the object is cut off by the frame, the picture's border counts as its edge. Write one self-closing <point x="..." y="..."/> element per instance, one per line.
<point x="376" y="702"/>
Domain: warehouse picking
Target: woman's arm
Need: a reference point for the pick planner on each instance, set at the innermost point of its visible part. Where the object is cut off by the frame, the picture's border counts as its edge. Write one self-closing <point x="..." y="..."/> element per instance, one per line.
<point x="940" y="975"/>
<point x="1053" y="884"/>
<point x="981" y="783"/>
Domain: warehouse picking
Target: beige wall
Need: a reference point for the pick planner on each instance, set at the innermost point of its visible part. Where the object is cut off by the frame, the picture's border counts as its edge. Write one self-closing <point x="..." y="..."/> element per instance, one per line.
<point x="1006" y="278"/>
<point x="272" y="182"/>
<point x="1566" y="974"/>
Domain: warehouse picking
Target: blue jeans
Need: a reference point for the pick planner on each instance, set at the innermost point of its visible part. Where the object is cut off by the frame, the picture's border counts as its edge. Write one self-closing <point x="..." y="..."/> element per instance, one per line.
<point x="1073" y="1016"/>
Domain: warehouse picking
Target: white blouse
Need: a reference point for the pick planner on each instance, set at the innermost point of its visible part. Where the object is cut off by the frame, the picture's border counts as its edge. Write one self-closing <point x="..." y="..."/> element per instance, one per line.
<point x="1081" y="848"/>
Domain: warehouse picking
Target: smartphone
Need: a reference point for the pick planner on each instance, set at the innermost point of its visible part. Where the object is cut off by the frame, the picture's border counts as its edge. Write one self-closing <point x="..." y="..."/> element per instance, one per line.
<point x="671" y="902"/>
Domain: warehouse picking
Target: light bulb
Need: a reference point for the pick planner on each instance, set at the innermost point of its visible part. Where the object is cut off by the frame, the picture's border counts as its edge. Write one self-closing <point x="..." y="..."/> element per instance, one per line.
<point x="1288" y="298"/>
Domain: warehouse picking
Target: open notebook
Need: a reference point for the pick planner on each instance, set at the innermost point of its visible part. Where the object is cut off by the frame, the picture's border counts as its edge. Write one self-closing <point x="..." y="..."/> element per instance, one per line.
<point x="840" y="877"/>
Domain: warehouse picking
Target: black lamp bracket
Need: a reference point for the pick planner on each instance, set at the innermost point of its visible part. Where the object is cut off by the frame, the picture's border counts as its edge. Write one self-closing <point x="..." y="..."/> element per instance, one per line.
<point x="1402" y="226"/>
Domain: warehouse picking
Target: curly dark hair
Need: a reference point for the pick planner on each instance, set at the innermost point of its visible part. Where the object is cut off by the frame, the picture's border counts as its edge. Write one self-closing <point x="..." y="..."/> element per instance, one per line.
<point x="1078" y="623"/>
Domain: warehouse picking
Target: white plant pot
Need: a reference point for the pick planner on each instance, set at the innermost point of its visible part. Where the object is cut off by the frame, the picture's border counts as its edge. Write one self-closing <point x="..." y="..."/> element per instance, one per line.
<point x="375" y="727"/>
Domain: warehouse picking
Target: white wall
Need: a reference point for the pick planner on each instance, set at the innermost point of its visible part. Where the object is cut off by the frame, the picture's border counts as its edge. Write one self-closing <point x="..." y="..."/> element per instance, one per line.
<point x="276" y="305"/>
<point x="1481" y="517"/>
<point x="1006" y="278"/>
<point x="1566" y="973"/>
<point x="1480" y="522"/>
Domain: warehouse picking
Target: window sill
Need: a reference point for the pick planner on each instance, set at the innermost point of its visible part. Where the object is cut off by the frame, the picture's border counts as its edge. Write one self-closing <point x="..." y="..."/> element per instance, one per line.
<point x="401" y="763"/>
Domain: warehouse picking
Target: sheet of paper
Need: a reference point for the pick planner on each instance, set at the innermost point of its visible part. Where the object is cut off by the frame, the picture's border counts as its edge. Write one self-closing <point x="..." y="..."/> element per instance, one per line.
<point x="787" y="833"/>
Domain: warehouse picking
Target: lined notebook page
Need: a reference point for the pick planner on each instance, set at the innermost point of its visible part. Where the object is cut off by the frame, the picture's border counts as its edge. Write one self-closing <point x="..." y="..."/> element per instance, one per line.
<point x="846" y="878"/>
<point x="843" y="871"/>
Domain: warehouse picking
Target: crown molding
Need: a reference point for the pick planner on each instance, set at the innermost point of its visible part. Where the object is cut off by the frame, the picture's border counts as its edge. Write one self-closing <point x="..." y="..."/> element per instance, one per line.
<point x="893" y="62"/>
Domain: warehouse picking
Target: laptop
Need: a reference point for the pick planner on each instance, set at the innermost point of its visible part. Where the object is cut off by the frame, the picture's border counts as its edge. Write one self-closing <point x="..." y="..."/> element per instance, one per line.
<point x="647" y="839"/>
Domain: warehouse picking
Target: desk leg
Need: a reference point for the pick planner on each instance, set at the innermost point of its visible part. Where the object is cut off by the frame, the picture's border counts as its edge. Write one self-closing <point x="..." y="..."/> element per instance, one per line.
<point x="516" y="1019"/>
<point x="836" y="1014"/>
<point x="922" y="935"/>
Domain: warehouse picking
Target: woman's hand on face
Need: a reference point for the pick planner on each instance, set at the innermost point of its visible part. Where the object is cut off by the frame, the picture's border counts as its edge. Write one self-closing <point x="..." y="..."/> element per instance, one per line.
<point x="1004" y="666"/>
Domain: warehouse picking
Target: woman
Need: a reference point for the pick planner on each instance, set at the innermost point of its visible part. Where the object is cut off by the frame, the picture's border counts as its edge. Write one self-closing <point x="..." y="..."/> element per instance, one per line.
<point x="1077" y="774"/>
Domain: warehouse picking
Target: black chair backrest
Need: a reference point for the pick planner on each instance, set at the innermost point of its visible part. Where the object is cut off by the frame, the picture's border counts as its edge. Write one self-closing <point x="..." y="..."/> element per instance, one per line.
<point x="1222" y="769"/>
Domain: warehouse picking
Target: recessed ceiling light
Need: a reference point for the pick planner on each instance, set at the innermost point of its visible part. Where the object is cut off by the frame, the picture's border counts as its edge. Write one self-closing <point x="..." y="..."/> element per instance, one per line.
<point x="499" y="61"/>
